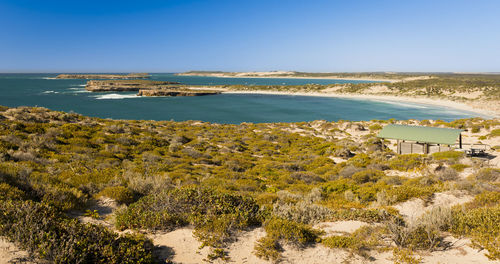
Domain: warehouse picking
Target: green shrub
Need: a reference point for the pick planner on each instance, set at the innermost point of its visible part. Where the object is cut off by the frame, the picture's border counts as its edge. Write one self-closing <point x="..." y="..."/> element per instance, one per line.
<point x="215" y="215"/>
<point x="277" y="230"/>
<point x="295" y="233"/>
<point x="361" y="160"/>
<point x="365" y="215"/>
<point x="406" y="162"/>
<point x="8" y="192"/>
<point x="375" y="127"/>
<point x="480" y="224"/>
<point x="92" y="214"/>
<point x="41" y="229"/>
<point x="494" y="133"/>
<point x="338" y="241"/>
<point x="187" y="205"/>
<point x="459" y="167"/>
<point x="118" y="193"/>
<point x="488" y="174"/>
<point x="63" y="197"/>
<point x="416" y="236"/>
<point x="360" y="242"/>
<point x="303" y="212"/>
<point x="367" y="176"/>
<point x="405" y="256"/>
<point x="405" y="192"/>
<point x="268" y="248"/>
<point x="448" y="155"/>
<point x="484" y="199"/>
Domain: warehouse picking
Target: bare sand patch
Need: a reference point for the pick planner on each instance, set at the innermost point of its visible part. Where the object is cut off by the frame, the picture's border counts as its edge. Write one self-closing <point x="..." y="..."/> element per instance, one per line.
<point x="10" y="253"/>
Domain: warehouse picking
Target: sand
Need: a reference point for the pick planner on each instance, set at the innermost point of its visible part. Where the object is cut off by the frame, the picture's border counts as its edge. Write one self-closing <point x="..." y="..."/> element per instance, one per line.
<point x="10" y="253"/>
<point x="276" y="74"/>
<point x="180" y="246"/>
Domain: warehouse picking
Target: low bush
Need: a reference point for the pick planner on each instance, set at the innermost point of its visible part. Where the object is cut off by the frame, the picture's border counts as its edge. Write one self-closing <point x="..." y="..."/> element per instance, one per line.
<point x="422" y="233"/>
<point x="448" y="155"/>
<point x="405" y="256"/>
<point x="488" y="174"/>
<point x="367" y="176"/>
<point x="406" y="162"/>
<point x="447" y="174"/>
<point x="215" y="215"/>
<point x="365" y="215"/>
<point x="407" y="191"/>
<point x="413" y="236"/>
<point x="8" y="192"/>
<point x="41" y="229"/>
<point x="361" y="241"/>
<point x="268" y="248"/>
<point x="291" y="232"/>
<point x="118" y="193"/>
<point x="480" y="224"/>
<point x="302" y="212"/>
<point x="459" y="167"/>
<point x="360" y="160"/>
<point x="484" y="199"/>
<point x="494" y="133"/>
<point x="282" y="230"/>
<point x="338" y="241"/>
<point x="375" y="127"/>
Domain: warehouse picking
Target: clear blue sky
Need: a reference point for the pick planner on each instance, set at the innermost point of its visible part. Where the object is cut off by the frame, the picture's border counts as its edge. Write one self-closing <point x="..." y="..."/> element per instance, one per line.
<point x="171" y="36"/>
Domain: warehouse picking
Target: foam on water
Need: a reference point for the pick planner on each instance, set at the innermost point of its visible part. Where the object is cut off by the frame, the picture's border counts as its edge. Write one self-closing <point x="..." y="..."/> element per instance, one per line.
<point x="49" y="92"/>
<point x="116" y="96"/>
<point x="404" y="104"/>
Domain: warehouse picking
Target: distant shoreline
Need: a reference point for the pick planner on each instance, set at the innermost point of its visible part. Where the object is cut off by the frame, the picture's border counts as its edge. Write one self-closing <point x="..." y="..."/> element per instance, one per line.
<point x="269" y="75"/>
<point x="300" y="77"/>
<point x="486" y="113"/>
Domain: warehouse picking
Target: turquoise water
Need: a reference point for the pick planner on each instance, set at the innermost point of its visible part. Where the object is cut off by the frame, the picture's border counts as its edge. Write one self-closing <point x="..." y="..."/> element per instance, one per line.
<point x="70" y="95"/>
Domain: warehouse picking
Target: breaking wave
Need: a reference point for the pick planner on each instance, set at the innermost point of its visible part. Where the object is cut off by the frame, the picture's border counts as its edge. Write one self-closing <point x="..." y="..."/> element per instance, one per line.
<point x="116" y="96"/>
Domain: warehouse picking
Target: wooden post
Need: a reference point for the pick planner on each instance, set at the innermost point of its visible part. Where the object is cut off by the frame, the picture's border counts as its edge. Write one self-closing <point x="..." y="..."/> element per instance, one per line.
<point x="411" y="148"/>
<point x="460" y="141"/>
<point x="399" y="148"/>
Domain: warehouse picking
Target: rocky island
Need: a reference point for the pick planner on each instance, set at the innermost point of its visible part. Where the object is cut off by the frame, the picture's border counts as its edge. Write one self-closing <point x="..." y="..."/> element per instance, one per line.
<point x="147" y="88"/>
<point x="126" y="85"/>
<point x="177" y="92"/>
<point x="104" y="76"/>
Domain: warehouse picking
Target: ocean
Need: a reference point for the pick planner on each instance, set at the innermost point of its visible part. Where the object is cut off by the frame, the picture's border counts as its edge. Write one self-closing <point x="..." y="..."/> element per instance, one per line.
<point x="71" y="96"/>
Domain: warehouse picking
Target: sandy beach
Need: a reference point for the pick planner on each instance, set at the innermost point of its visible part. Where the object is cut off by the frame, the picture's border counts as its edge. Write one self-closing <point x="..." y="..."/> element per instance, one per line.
<point x="487" y="111"/>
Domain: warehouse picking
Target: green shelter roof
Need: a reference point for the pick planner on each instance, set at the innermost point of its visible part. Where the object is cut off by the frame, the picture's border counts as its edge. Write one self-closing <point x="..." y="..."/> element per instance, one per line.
<point x="422" y="134"/>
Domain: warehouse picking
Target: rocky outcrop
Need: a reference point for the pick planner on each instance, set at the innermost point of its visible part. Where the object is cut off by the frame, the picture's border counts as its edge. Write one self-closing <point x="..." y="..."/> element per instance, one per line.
<point x="104" y="76"/>
<point x="174" y="92"/>
<point x="126" y="85"/>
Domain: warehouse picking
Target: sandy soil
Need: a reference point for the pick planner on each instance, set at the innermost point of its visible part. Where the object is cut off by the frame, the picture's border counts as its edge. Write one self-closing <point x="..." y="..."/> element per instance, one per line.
<point x="180" y="246"/>
<point x="10" y="253"/>
<point x="414" y="208"/>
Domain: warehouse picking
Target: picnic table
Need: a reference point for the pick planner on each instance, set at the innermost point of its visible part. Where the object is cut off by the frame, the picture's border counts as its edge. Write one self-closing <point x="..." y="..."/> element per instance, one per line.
<point x="475" y="152"/>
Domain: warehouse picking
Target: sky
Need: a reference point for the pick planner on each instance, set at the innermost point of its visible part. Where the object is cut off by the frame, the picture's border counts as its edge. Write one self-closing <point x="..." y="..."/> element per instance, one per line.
<point x="253" y="35"/>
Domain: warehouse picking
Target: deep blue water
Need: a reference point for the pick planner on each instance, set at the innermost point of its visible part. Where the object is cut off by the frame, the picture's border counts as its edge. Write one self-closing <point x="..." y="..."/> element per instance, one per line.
<point x="70" y="95"/>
